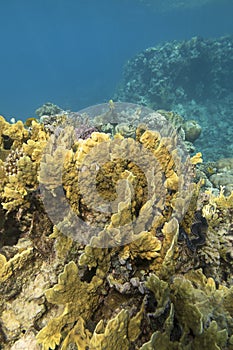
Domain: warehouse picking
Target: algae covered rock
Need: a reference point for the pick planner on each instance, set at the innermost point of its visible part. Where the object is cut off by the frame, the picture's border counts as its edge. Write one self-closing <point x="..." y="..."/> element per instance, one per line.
<point x="48" y="109"/>
<point x="192" y="130"/>
<point x="223" y="176"/>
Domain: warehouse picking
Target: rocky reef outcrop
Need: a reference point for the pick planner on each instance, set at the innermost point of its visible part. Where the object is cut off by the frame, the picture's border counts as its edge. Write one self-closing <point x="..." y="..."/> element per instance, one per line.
<point x="192" y="78"/>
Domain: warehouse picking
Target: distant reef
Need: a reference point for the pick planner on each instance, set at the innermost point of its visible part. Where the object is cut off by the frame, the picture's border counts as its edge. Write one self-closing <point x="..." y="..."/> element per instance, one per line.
<point x="193" y="78"/>
<point x="178" y="72"/>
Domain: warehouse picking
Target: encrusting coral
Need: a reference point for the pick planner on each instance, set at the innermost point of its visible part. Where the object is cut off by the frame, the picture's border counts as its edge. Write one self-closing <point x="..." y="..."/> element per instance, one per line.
<point x="141" y="260"/>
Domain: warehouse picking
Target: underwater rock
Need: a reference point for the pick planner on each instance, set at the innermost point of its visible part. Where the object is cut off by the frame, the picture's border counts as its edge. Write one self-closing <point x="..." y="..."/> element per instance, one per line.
<point x="192" y="130"/>
<point x="224" y="175"/>
<point x="48" y="109"/>
<point x="218" y="175"/>
<point x="192" y="78"/>
<point x="224" y="179"/>
<point x="175" y="72"/>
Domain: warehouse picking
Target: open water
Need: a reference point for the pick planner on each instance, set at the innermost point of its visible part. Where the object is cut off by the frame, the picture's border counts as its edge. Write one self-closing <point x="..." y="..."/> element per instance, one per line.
<point x="72" y="52"/>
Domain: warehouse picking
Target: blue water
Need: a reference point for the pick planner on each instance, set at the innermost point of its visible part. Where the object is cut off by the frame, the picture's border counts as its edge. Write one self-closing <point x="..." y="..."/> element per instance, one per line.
<point x="72" y="52"/>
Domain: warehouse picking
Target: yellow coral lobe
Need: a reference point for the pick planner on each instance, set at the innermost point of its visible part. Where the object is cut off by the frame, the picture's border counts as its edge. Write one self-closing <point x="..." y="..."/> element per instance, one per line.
<point x="114" y="335"/>
<point x="146" y="246"/>
<point x="150" y="139"/>
<point x="172" y="182"/>
<point x="197" y="158"/>
<point x="2" y="261"/>
<point x="51" y="339"/>
<point x="78" y="335"/>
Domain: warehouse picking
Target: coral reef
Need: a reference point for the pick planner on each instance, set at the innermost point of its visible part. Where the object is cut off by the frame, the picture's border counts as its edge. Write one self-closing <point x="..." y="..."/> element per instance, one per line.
<point x="192" y="78"/>
<point x="141" y="260"/>
<point x="176" y="72"/>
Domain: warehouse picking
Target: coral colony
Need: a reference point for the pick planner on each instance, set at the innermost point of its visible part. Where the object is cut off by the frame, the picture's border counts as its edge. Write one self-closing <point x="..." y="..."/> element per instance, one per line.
<point x="141" y="260"/>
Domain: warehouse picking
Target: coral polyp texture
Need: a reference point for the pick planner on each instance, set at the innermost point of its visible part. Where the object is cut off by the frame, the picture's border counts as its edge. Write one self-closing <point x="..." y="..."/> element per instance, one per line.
<point x="109" y="236"/>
